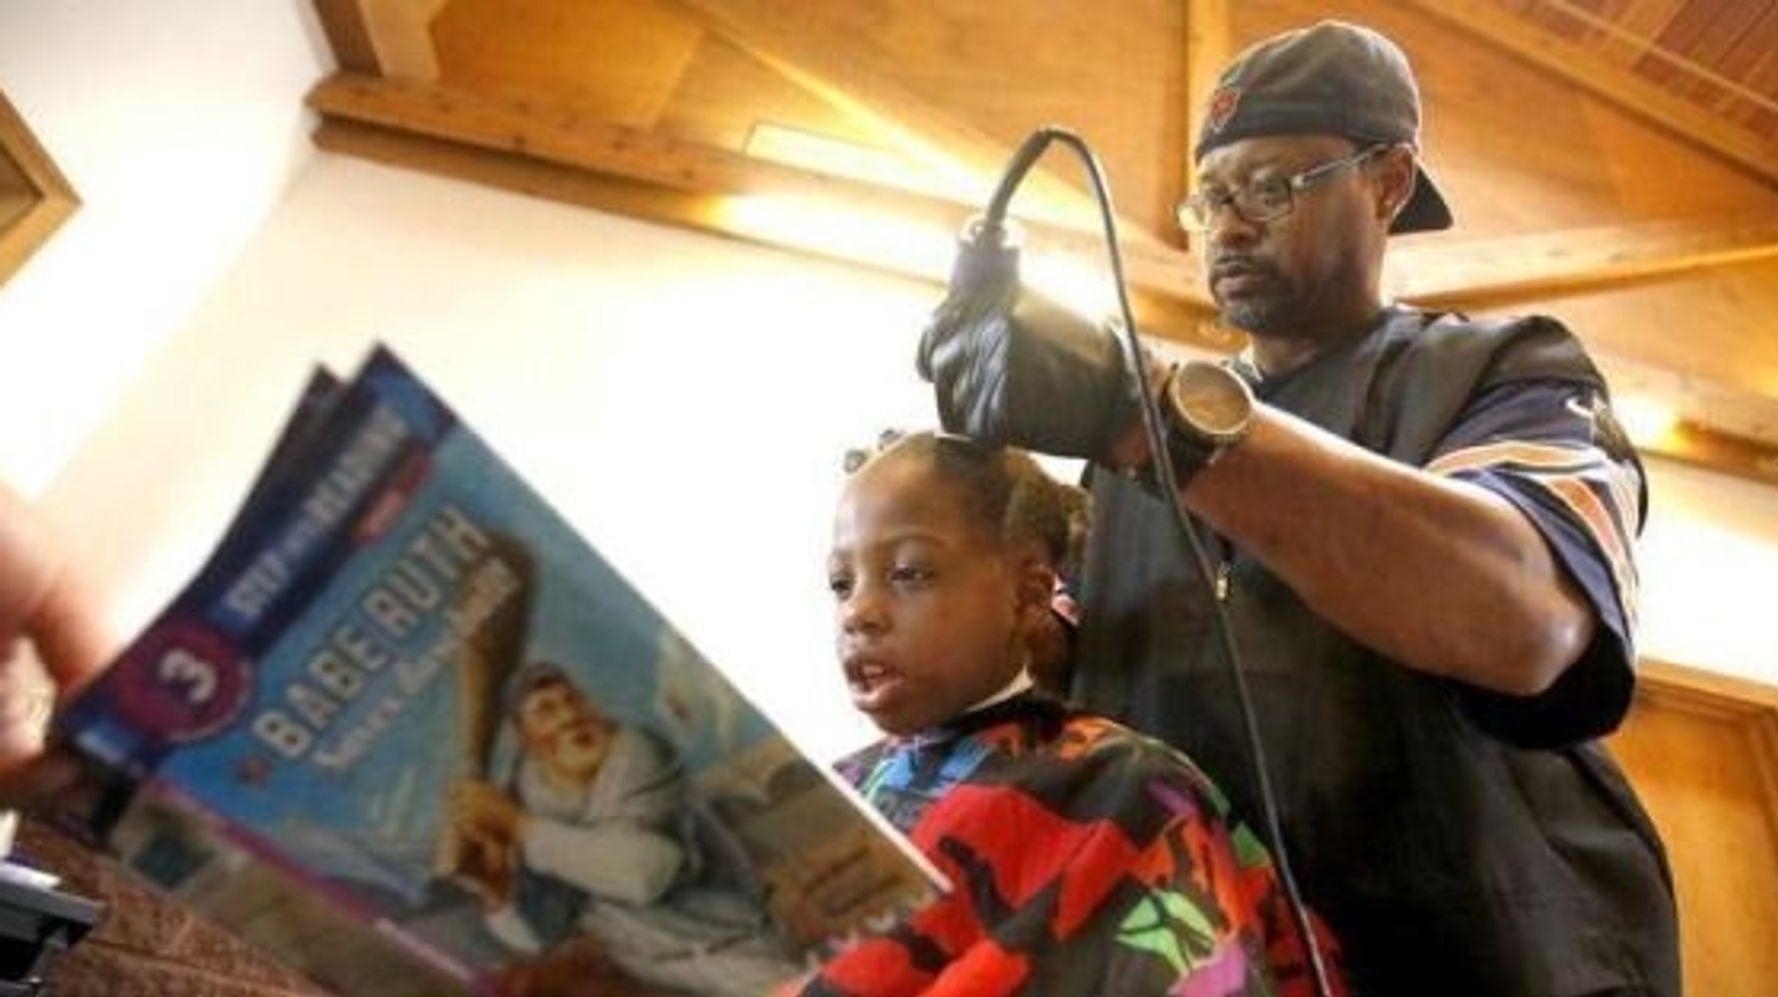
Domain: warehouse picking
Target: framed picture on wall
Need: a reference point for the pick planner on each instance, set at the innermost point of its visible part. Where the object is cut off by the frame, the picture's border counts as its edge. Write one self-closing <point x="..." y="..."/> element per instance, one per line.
<point x="34" y="196"/>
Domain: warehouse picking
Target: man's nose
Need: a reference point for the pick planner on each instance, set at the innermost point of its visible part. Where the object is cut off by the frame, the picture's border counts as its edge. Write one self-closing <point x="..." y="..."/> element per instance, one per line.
<point x="1228" y="228"/>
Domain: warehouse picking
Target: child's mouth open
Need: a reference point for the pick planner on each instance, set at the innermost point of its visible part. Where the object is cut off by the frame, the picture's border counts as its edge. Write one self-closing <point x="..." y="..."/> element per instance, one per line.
<point x="873" y="682"/>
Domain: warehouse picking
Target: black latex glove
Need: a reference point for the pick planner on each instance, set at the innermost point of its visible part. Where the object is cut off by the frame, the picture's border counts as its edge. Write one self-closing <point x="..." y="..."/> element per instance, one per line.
<point x="1014" y="368"/>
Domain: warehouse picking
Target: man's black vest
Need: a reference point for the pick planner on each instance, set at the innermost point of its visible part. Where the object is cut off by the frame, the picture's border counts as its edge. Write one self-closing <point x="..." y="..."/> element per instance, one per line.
<point x="1458" y="842"/>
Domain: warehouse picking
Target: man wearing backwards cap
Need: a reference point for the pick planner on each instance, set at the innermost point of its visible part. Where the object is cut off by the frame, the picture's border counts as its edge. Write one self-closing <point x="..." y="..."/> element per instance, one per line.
<point x="1423" y="526"/>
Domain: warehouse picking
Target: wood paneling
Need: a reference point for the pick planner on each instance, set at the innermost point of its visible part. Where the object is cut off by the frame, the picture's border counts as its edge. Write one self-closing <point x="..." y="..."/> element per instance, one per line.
<point x="1546" y="265"/>
<point x="1713" y="337"/>
<point x="1702" y="751"/>
<point x="1666" y="82"/>
<point x="1001" y="70"/>
<point x="347" y="34"/>
<point x="400" y="34"/>
<point x="727" y="92"/>
<point x="614" y="61"/>
<point x="1209" y="44"/>
<point x="37" y="198"/>
<point x="17" y="194"/>
<point x="568" y="137"/>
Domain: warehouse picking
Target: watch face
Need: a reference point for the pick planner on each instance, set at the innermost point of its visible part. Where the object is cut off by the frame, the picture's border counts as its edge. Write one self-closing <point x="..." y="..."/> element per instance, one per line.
<point x="1215" y="414"/>
<point x="1212" y="399"/>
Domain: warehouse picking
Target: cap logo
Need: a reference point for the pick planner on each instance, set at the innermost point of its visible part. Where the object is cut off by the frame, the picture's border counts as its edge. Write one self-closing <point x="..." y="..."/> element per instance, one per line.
<point x="1221" y="109"/>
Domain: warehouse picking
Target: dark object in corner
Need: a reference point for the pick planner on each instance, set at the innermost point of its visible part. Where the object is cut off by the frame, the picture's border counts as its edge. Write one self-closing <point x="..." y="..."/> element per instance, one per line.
<point x="36" y="926"/>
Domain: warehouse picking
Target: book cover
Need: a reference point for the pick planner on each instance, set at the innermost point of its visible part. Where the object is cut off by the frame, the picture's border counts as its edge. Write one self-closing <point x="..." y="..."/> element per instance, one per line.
<point x="409" y="732"/>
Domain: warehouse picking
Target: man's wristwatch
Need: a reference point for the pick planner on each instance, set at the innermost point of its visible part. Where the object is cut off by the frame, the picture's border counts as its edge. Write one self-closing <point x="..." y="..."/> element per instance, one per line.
<point x="1208" y="409"/>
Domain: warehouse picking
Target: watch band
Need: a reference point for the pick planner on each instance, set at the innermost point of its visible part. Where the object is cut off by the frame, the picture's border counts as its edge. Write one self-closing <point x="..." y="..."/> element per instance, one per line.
<point x="1192" y="447"/>
<point x="1189" y="454"/>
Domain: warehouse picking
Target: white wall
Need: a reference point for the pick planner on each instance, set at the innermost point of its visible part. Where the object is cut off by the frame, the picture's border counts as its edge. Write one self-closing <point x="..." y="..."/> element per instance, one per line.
<point x="1710" y="572"/>
<point x="685" y="400"/>
<point x="178" y="122"/>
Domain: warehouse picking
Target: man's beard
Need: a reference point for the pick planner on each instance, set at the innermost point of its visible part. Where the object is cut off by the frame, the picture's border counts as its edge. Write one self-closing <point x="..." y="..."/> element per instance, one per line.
<point x="1275" y="307"/>
<point x="1267" y="300"/>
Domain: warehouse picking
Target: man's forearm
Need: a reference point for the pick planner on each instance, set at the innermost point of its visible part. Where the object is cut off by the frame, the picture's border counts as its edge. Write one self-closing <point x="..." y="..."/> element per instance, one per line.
<point x="1438" y="574"/>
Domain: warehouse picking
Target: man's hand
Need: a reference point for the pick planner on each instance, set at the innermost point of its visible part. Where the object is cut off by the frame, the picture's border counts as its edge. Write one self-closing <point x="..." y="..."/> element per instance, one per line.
<point x="482" y="840"/>
<point x="487" y="867"/>
<point x="479" y="808"/>
<point x="42" y="603"/>
<point x="1011" y="367"/>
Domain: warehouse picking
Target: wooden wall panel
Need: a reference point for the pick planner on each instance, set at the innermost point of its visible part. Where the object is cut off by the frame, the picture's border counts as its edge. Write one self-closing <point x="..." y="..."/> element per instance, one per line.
<point x="1717" y="328"/>
<point x="1702" y="752"/>
<point x="16" y="192"/>
<point x="725" y="92"/>
<point x="616" y="60"/>
<point x="1654" y="175"/>
<point x="1114" y="71"/>
<point x="35" y="199"/>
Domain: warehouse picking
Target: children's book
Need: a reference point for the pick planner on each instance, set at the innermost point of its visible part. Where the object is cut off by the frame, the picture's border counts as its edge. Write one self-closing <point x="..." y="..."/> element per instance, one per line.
<point x="409" y="732"/>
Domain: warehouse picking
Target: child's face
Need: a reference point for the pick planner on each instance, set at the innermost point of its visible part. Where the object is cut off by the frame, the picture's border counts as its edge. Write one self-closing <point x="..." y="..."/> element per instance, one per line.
<point x="927" y="603"/>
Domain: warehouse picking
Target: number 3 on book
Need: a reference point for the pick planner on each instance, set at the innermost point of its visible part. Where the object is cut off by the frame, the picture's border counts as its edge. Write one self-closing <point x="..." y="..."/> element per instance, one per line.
<point x="195" y="677"/>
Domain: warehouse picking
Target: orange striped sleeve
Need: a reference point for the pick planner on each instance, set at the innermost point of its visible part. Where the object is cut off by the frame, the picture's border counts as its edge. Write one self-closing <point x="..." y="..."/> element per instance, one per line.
<point x="1599" y="494"/>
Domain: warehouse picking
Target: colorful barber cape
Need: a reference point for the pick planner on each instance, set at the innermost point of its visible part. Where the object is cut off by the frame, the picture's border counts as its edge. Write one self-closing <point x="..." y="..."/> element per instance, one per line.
<point x="1458" y="841"/>
<point x="1085" y="860"/>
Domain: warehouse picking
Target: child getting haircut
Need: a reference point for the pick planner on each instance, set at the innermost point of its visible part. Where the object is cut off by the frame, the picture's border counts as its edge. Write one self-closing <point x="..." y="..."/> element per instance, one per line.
<point x="1085" y="859"/>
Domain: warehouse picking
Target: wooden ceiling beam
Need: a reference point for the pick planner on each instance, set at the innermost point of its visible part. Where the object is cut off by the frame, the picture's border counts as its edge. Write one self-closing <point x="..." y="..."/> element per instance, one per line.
<point x="382" y="37"/>
<point x="1546" y="265"/>
<point x="400" y="32"/>
<point x="1726" y="429"/>
<point x="932" y="135"/>
<point x="1694" y="443"/>
<point x="343" y="22"/>
<point x="1209" y="44"/>
<point x="41" y="198"/>
<point x="561" y="136"/>
<point x="1168" y="281"/>
<point x="1595" y="71"/>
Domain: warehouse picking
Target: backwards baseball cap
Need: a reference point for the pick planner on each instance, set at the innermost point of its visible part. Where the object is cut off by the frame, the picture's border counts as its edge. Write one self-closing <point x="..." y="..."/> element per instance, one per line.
<point x="1331" y="79"/>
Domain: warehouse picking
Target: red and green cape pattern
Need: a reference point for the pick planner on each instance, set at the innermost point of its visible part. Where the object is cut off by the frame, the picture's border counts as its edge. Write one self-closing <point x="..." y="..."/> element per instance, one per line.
<point x="1085" y="859"/>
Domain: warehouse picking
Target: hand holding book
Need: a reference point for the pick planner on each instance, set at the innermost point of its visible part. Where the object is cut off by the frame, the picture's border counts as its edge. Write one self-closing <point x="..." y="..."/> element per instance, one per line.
<point x="43" y="603"/>
<point x="408" y="731"/>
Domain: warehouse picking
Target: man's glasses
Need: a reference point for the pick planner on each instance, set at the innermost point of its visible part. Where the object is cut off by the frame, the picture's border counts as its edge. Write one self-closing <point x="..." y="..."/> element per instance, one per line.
<point x="1265" y="201"/>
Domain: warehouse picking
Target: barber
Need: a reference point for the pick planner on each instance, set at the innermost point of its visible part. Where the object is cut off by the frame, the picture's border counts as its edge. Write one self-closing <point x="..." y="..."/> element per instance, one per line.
<point x="1423" y="531"/>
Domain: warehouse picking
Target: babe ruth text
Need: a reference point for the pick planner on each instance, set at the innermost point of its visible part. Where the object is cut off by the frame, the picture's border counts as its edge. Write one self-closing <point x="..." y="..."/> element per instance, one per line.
<point x="444" y="585"/>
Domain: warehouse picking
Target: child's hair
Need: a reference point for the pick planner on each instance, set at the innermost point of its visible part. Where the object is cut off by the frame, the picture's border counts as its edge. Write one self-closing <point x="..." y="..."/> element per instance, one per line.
<point x="1077" y="506"/>
<point x="1003" y="490"/>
